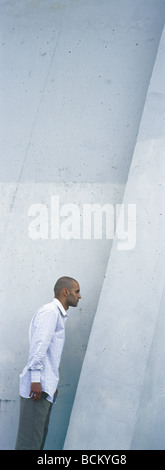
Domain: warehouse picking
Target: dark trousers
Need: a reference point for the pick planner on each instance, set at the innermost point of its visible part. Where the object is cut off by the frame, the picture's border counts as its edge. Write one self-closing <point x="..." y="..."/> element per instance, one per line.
<point x="33" y="423"/>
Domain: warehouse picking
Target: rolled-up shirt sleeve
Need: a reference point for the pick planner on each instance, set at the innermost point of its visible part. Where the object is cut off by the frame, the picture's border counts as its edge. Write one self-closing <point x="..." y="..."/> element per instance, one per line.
<point x="41" y="334"/>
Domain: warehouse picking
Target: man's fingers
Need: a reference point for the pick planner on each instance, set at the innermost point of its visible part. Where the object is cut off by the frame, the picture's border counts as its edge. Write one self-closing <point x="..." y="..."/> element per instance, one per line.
<point x="35" y="391"/>
<point x="35" y="396"/>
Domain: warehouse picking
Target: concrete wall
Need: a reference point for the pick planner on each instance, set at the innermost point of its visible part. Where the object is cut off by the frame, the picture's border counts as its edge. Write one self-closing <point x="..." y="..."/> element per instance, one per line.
<point x="74" y="78"/>
<point x="120" y="397"/>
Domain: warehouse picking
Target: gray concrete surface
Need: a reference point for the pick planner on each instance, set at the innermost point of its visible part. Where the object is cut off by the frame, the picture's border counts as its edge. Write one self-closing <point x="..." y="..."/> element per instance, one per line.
<point x="120" y="397"/>
<point x="74" y="76"/>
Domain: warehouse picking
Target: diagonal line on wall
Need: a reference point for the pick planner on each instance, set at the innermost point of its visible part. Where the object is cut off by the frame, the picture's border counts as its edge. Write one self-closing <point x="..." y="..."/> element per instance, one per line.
<point x="31" y="135"/>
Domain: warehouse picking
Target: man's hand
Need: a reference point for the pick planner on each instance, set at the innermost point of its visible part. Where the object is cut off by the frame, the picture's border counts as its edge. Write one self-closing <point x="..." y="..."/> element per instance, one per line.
<point x="35" y="391"/>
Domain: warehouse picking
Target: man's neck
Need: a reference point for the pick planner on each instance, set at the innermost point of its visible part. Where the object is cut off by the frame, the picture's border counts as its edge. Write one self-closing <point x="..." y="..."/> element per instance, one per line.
<point x="63" y="302"/>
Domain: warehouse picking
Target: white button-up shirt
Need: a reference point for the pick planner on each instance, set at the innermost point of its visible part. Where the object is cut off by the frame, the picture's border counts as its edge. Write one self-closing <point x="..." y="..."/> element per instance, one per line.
<point x="46" y="337"/>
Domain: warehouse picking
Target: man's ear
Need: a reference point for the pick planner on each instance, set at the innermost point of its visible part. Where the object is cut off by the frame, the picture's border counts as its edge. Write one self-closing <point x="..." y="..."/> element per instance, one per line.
<point x="65" y="291"/>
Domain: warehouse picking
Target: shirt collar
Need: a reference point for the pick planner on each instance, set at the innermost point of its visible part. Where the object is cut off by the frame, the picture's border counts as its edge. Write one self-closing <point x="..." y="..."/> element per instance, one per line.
<point x="60" y="306"/>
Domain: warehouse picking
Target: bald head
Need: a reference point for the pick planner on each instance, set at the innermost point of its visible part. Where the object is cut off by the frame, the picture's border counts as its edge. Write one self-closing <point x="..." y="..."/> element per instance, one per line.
<point x="67" y="290"/>
<point x="63" y="282"/>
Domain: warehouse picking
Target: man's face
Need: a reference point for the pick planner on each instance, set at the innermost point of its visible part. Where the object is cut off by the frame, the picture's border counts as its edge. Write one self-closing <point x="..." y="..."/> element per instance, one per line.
<point x="74" y="295"/>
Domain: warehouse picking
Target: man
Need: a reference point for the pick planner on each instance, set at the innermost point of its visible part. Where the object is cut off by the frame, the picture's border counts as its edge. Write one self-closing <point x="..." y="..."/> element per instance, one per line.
<point x="39" y="379"/>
